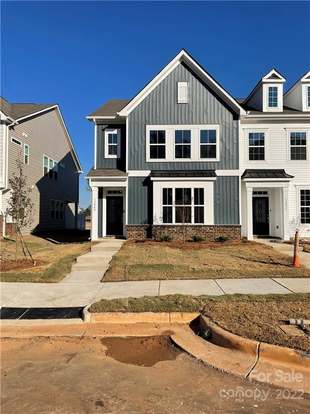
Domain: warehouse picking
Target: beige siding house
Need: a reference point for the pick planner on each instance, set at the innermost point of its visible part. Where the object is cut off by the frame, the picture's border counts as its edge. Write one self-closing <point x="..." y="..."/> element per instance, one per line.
<point x="37" y="135"/>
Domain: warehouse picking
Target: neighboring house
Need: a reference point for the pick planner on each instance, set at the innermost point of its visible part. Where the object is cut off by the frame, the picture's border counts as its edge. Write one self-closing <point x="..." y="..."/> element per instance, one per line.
<point x="37" y="135"/>
<point x="185" y="158"/>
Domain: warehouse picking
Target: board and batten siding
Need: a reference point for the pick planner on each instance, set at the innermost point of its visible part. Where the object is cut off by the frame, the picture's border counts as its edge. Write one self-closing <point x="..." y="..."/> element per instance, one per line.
<point x="113" y="163"/>
<point x="226" y="200"/>
<point x="160" y="107"/>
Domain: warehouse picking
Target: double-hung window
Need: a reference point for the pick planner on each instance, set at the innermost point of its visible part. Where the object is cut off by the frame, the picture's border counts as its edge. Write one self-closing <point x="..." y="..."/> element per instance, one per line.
<point x="182" y="147"/>
<point x="26" y="154"/>
<point x="183" y="205"/>
<point x="50" y="167"/>
<point x="112" y="143"/>
<point x="208" y="143"/>
<point x="298" y="144"/>
<point x="256" y="146"/>
<point x="272" y="97"/>
<point x="305" y="206"/>
<point x="157" y="144"/>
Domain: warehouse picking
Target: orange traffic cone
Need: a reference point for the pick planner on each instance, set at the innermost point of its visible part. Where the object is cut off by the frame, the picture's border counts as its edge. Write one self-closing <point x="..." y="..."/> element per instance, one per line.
<point x="296" y="259"/>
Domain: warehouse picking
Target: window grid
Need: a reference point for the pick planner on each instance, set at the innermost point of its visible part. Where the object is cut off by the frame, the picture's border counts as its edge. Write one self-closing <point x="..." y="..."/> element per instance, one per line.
<point x="182" y="144"/>
<point x="157" y="144"/>
<point x="183" y="205"/>
<point x="208" y="143"/>
<point x="112" y="143"/>
<point x="256" y="146"/>
<point x="298" y="145"/>
<point x="50" y="167"/>
<point x="272" y="96"/>
<point x="305" y="206"/>
<point x="57" y="210"/>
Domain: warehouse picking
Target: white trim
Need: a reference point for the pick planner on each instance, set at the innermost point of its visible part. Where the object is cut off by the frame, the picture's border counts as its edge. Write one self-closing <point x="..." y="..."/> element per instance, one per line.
<point x="95" y="145"/>
<point x="280" y="79"/>
<point x="266" y="145"/>
<point x="183" y="179"/>
<point x="298" y="215"/>
<point x="26" y="146"/>
<point x="227" y="173"/>
<point x="100" y="117"/>
<point x="265" y="181"/>
<point x="127" y="146"/>
<point x="116" y="131"/>
<point x="170" y="142"/>
<point x="138" y="173"/>
<point x="181" y="56"/>
<point x="288" y="143"/>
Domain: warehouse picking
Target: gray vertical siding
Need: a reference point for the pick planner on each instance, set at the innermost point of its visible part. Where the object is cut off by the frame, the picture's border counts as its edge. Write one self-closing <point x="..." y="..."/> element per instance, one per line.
<point x="138" y="198"/>
<point x="102" y="162"/>
<point x="161" y="107"/>
<point x="226" y="200"/>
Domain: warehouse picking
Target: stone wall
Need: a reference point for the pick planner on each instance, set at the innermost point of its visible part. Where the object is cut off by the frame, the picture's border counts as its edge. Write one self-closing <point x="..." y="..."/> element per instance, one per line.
<point x="208" y="233"/>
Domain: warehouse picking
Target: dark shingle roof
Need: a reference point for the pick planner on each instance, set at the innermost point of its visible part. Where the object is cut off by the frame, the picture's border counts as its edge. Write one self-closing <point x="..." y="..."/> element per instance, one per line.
<point x="19" y="110"/>
<point x="110" y="108"/>
<point x="266" y="173"/>
<point x="106" y="172"/>
<point x="182" y="173"/>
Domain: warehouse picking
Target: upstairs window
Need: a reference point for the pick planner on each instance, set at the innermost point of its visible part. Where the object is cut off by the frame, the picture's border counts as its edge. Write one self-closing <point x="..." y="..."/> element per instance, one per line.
<point x="182" y="92"/>
<point x="112" y="143"/>
<point x="157" y="144"/>
<point x="182" y="144"/>
<point x="305" y="206"/>
<point x="298" y="146"/>
<point x="272" y="97"/>
<point x="308" y="96"/>
<point x="208" y="144"/>
<point x="256" y="146"/>
<point x="50" y="167"/>
<point x="26" y="154"/>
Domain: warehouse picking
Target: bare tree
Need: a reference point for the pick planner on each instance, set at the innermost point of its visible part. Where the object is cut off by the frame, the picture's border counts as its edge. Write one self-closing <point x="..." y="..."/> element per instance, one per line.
<point x="20" y="207"/>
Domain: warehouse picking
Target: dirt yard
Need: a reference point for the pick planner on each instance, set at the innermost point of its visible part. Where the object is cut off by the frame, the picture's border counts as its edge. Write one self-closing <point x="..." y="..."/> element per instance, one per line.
<point x="53" y="260"/>
<point x="175" y="260"/>
<point x="92" y="375"/>
<point x="254" y="317"/>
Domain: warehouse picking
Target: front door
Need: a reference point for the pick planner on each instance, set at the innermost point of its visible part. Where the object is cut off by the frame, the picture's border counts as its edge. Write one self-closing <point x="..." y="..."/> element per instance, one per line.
<point x="261" y="216"/>
<point x="114" y="216"/>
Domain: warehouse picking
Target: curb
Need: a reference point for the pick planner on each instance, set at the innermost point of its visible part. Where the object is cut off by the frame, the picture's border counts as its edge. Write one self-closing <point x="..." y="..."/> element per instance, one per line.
<point x="140" y="317"/>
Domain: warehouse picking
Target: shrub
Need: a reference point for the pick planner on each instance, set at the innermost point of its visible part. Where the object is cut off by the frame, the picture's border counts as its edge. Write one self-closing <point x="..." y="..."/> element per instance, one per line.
<point x="165" y="238"/>
<point x="197" y="239"/>
<point x="221" y="239"/>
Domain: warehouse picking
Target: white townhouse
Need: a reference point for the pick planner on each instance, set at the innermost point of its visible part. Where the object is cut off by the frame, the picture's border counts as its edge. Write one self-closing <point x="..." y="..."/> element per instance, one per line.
<point x="275" y="158"/>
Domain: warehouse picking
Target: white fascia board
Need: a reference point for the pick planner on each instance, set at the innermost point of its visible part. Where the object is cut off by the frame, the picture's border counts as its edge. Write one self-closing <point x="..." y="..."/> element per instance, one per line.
<point x="304" y="78"/>
<point x="280" y="79"/>
<point x="5" y="117"/>
<point x="139" y="173"/>
<point x="100" y="117"/>
<point x="183" y="178"/>
<point x="267" y="180"/>
<point x="275" y="116"/>
<point x="165" y="72"/>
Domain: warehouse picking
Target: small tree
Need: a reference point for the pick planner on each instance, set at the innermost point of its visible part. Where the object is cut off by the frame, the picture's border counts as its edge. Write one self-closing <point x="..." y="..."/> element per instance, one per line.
<point x="20" y="206"/>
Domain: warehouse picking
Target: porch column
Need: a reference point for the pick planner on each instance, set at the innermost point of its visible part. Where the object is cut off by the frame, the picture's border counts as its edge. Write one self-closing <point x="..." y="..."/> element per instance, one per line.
<point x="249" y="209"/>
<point x="94" y="214"/>
<point x="286" y="235"/>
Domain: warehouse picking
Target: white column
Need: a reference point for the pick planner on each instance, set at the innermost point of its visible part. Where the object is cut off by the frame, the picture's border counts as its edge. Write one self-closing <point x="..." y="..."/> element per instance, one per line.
<point x="249" y="210"/>
<point x="285" y="232"/>
<point x="94" y="214"/>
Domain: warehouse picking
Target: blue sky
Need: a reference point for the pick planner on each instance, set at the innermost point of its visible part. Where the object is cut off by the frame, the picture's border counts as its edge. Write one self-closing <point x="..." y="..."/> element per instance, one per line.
<point x="80" y="54"/>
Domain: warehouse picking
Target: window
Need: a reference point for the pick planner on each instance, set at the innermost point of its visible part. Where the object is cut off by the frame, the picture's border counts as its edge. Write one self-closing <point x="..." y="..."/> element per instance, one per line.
<point x="50" y="167"/>
<point x="112" y="143"/>
<point x="26" y="154"/>
<point x="157" y="144"/>
<point x="182" y="144"/>
<point x="308" y="96"/>
<point x="272" y="96"/>
<point x="182" y="92"/>
<point x="183" y="205"/>
<point x="256" y="146"/>
<point x="208" y="143"/>
<point x="298" y="146"/>
<point x="57" y="210"/>
<point x="16" y="141"/>
<point x="305" y="206"/>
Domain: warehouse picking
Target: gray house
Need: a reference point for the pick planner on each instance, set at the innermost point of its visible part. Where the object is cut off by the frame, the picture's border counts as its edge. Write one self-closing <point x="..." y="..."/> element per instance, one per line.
<point x="37" y="135"/>
<point x="167" y="161"/>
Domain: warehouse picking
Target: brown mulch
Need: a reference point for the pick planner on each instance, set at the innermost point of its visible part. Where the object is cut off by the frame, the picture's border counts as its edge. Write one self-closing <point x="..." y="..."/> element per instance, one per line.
<point x="20" y="264"/>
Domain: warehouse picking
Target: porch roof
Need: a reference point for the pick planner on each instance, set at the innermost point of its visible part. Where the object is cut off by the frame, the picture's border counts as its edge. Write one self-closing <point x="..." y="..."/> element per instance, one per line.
<point x="266" y="173"/>
<point x="105" y="172"/>
<point x="182" y="173"/>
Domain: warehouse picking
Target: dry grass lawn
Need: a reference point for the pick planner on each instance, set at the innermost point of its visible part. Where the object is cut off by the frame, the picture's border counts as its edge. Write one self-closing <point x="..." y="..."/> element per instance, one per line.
<point x="53" y="261"/>
<point x="172" y="260"/>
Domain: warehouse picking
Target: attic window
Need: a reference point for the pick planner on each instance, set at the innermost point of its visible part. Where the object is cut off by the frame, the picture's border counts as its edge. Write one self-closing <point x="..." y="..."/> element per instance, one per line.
<point x="308" y="96"/>
<point x="272" y="97"/>
<point x="182" y="92"/>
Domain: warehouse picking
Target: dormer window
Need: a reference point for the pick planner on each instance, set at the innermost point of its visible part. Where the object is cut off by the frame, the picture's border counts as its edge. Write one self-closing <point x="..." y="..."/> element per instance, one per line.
<point x="308" y="96"/>
<point x="273" y="96"/>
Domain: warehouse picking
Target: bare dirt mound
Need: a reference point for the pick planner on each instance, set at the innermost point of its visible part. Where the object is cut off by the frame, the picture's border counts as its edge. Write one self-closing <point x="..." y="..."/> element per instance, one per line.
<point x="145" y="351"/>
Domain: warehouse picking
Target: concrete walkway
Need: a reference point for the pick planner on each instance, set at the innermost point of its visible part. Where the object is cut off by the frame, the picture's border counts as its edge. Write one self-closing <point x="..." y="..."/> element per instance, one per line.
<point x="83" y="287"/>
<point x="287" y="249"/>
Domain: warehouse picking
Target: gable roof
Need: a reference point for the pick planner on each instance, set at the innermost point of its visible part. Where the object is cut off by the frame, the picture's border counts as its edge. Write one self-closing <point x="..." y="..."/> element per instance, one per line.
<point x="21" y="111"/>
<point x="185" y="57"/>
<point x="17" y="111"/>
<point x="109" y="109"/>
<point x="305" y="78"/>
